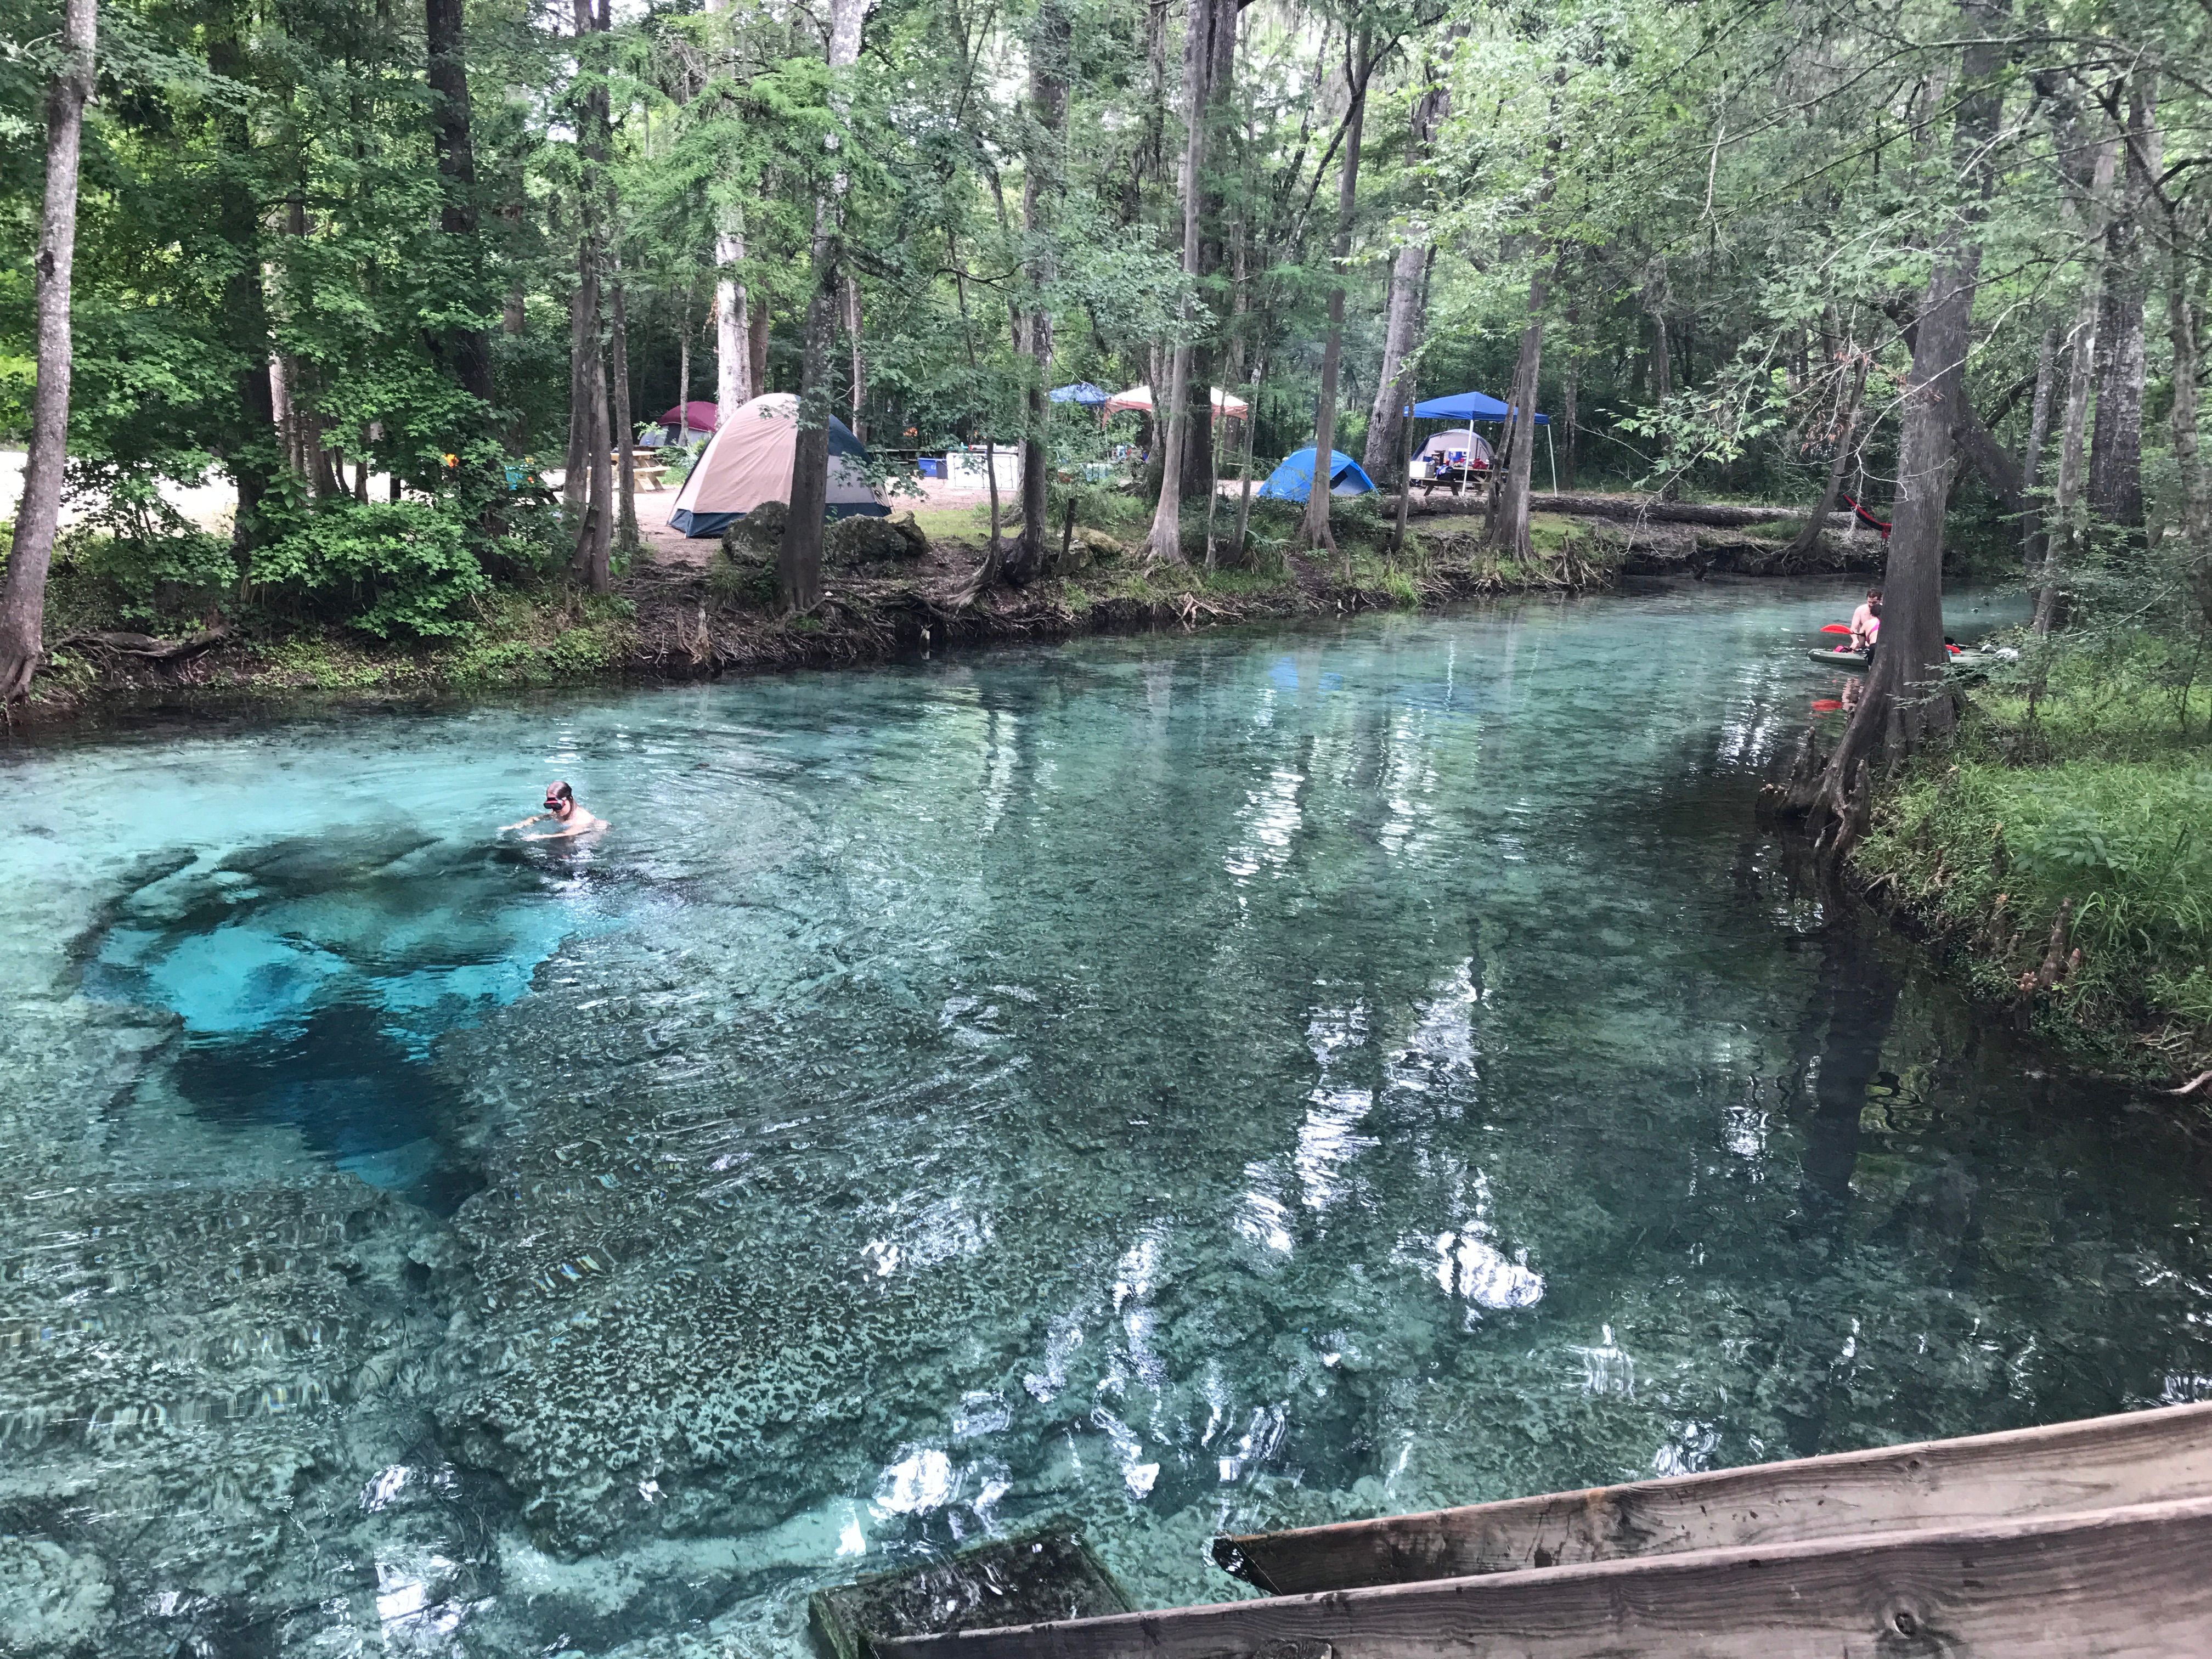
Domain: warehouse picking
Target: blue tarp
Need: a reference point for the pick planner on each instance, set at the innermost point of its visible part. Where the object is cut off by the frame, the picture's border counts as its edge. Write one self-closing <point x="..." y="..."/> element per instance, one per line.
<point x="1468" y="406"/>
<point x="1082" y="393"/>
<point x="1293" y="480"/>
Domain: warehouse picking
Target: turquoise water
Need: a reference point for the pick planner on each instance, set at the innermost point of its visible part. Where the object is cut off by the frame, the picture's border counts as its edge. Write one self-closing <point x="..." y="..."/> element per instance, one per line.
<point x="1183" y="1083"/>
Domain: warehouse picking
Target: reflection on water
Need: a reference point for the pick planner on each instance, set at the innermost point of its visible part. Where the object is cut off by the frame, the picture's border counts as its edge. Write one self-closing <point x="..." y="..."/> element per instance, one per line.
<point x="1186" y="1084"/>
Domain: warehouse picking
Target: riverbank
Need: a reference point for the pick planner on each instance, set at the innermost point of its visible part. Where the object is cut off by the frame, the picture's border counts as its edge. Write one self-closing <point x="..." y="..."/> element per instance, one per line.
<point x="2058" y="854"/>
<point x="681" y="612"/>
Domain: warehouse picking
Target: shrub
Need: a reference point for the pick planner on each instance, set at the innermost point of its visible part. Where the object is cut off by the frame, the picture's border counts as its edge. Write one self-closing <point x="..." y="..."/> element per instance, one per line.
<point x="399" y="570"/>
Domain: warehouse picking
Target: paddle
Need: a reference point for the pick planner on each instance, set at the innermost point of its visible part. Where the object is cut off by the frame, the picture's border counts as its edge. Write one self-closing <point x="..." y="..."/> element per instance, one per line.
<point x="1835" y="628"/>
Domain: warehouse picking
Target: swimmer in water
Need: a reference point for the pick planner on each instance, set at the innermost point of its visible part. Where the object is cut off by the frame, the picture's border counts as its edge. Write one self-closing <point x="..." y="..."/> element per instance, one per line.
<point x="560" y="806"/>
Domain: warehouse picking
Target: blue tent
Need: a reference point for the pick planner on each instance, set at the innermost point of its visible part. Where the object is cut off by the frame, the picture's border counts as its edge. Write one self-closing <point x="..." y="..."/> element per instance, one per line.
<point x="1082" y="393"/>
<point x="1293" y="480"/>
<point x="1468" y="406"/>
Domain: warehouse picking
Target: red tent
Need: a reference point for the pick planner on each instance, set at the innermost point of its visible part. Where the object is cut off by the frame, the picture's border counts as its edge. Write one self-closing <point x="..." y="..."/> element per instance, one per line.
<point x="703" y="417"/>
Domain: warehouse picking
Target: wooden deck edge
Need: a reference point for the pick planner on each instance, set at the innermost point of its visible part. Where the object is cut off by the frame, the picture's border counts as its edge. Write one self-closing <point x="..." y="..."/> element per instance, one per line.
<point x="1296" y="1560"/>
<point x="2130" y="1581"/>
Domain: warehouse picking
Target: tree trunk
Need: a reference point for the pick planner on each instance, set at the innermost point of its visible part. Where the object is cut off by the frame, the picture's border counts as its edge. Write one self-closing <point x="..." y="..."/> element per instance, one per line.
<point x="1509" y="519"/>
<point x="1662" y="355"/>
<point x="624" y="433"/>
<point x="2116" y="447"/>
<point x="1407" y="303"/>
<point x="1806" y="540"/>
<point x="1199" y="437"/>
<point x="2181" y="232"/>
<point x="23" y="590"/>
<point x="683" y="373"/>
<point x="1165" y="541"/>
<point x="2061" y="543"/>
<point x="2033" y="535"/>
<point x="1042" y="180"/>
<point x="756" y="344"/>
<point x="589" y="437"/>
<point x="733" y="380"/>
<point x="1406" y="394"/>
<point x="593" y="563"/>
<point x="583" y="347"/>
<point x="251" y="446"/>
<point x="1570" y="415"/>
<point x="799" y="559"/>
<point x="1245" y="470"/>
<point x="465" y="352"/>
<point x="1401" y="334"/>
<point x="1906" y="703"/>
<point x="1313" y="529"/>
<point x="860" y="386"/>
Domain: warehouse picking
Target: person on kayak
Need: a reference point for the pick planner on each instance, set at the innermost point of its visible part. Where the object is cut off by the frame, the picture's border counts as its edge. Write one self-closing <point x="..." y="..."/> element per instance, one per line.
<point x="1866" y="621"/>
<point x="560" y="807"/>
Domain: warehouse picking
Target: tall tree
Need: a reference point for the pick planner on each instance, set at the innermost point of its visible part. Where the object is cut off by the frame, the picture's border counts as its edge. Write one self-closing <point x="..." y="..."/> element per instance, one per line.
<point x="1905" y="703"/>
<point x="2116" y="492"/>
<point x="1404" y="318"/>
<point x="251" y="446"/>
<point x="23" y="593"/>
<point x="1359" y="70"/>
<point x="799" y="559"/>
<point x="1199" y="437"/>
<point x="734" y="381"/>
<point x="1043" y="179"/>
<point x="590" y="439"/>
<point x="464" y="348"/>
<point x="1165" y="541"/>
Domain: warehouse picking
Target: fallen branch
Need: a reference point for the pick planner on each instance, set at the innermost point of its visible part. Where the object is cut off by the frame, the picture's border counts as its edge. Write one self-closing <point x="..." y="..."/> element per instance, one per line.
<point x="2193" y="1084"/>
<point x="1648" y="508"/>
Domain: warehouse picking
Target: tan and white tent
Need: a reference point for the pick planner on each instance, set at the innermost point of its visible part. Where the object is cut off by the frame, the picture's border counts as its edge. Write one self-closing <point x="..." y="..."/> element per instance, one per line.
<point x="747" y="463"/>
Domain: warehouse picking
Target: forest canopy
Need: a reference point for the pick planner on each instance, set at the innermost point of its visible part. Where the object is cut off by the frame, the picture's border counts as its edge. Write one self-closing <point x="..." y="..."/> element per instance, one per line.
<point x="319" y="241"/>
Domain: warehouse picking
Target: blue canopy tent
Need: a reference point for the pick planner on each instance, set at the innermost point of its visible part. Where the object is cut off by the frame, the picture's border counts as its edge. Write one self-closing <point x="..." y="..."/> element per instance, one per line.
<point x="1481" y="406"/>
<point x="1082" y="393"/>
<point x="1466" y="406"/>
<point x="1293" y="480"/>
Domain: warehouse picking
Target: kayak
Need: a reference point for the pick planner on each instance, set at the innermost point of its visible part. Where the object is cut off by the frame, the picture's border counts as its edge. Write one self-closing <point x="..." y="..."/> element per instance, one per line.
<point x="1855" y="661"/>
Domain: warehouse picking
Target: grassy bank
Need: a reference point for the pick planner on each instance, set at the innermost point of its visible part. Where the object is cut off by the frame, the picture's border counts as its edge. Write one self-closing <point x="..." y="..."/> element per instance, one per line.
<point x="696" y="610"/>
<point x="2061" y="852"/>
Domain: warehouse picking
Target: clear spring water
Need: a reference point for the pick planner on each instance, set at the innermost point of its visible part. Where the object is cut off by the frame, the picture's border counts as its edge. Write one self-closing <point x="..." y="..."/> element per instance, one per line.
<point x="1181" y="1083"/>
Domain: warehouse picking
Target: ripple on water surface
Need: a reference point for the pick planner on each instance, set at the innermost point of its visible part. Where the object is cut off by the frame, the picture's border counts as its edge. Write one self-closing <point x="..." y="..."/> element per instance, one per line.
<point x="1186" y="1084"/>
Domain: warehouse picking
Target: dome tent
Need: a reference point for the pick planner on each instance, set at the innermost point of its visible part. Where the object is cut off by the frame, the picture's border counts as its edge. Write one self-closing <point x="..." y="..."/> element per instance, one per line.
<point x="748" y="463"/>
<point x="1293" y="480"/>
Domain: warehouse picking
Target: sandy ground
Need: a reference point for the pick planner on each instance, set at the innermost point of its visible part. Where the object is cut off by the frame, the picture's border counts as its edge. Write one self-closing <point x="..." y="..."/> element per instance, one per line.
<point x="210" y="505"/>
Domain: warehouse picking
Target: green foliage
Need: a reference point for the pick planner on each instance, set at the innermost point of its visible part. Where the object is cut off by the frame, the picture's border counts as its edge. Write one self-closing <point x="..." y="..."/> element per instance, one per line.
<point x="403" y="570"/>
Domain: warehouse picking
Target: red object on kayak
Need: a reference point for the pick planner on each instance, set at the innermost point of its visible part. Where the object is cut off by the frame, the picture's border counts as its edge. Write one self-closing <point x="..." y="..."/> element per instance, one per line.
<point x="1835" y="628"/>
<point x="1826" y="705"/>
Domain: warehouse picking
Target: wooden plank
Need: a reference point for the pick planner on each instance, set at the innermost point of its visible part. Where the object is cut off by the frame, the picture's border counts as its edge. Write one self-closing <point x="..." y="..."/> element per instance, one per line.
<point x="2102" y="1463"/>
<point x="2124" y="1584"/>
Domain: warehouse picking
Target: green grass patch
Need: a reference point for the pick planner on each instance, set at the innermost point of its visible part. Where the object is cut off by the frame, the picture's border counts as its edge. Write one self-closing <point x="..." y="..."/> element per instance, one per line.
<point x="2098" y="798"/>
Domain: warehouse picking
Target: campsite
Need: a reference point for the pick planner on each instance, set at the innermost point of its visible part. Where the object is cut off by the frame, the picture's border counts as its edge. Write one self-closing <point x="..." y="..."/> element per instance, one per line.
<point x="1294" y="830"/>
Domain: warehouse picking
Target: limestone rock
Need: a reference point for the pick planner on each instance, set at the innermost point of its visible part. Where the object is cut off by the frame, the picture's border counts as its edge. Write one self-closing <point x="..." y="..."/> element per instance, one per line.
<point x="52" y="1602"/>
<point x="873" y="541"/>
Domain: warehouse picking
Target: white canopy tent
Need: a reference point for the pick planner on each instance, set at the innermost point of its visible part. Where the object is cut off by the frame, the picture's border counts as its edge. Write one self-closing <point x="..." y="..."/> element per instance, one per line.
<point x="1139" y="399"/>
